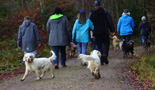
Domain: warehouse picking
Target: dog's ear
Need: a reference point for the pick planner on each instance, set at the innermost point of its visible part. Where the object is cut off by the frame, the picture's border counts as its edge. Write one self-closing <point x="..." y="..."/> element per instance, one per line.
<point x="24" y="58"/>
<point x="32" y="57"/>
<point x="99" y="53"/>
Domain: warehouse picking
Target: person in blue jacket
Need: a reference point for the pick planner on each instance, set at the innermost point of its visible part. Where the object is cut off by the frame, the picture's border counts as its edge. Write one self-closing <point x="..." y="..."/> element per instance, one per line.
<point x="125" y="27"/>
<point x="81" y="32"/>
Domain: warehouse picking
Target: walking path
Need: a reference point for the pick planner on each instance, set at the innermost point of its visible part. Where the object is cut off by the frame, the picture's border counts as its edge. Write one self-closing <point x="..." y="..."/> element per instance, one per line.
<point x="75" y="77"/>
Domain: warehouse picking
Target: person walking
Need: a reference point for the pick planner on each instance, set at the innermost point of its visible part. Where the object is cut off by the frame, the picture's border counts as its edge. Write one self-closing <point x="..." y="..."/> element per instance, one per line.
<point x="102" y="22"/>
<point x="125" y="27"/>
<point x="145" y="29"/>
<point x="81" y="32"/>
<point x="27" y="36"/>
<point x="59" y="31"/>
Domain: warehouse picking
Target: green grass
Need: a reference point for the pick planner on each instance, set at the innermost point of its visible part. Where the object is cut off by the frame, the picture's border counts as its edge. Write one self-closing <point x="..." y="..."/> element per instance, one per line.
<point x="145" y="66"/>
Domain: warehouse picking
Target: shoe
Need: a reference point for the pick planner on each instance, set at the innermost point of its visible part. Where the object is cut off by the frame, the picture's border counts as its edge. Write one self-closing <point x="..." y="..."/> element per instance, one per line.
<point x="105" y="60"/>
<point x="64" y="65"/>
<point x="56" y="66"/>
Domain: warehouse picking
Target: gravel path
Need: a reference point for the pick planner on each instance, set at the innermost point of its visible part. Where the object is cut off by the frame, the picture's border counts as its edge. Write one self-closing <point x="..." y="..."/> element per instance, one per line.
<point x="75" y="77"/>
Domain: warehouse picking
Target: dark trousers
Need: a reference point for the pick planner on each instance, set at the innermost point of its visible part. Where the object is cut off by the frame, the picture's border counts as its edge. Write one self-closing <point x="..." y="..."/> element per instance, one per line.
<point x="126" y="39"/>
<point x="62" y="50"/>
<point x="103" y="43"/>
<point x="93" y="44"/>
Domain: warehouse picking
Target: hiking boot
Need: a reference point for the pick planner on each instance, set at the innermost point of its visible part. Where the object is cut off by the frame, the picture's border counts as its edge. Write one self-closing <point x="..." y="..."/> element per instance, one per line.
<point x="105" y="59"/>
<point x="64" y="65"/>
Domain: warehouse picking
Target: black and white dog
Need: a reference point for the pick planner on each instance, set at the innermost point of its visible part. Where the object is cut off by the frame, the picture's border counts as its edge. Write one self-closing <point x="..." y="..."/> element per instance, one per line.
<point x="129" y="48"/>
<point x="147" y="43"/>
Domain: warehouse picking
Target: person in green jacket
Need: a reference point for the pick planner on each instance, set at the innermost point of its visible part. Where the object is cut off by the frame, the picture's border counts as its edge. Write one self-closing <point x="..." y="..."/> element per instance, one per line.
<point x="59" y="31"/>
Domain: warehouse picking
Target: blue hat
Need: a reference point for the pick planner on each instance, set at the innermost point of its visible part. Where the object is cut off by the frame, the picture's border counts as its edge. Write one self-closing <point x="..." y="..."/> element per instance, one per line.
<point x="125" y="11"/>
<point x="82" y="11"/>
<point x="97" y="2"/>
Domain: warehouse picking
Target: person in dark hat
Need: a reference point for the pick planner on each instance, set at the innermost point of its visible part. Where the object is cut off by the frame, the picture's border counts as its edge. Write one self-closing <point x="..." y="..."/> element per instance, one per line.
<point x="59" y="31"/>
<point x="102" y="22"/>
<point x="125" y="27"/>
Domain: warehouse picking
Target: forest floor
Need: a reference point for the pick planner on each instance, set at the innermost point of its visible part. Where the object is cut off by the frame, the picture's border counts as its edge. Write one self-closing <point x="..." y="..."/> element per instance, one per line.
<point x="76" y="77"/>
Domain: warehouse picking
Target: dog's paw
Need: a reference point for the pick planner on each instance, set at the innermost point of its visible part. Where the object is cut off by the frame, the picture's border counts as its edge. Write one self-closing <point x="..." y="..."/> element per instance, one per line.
<point x="53" y="76"/>
<point x="41" y="77"/>
<point x="21" y="79"/>
<point x="38" y="78"/>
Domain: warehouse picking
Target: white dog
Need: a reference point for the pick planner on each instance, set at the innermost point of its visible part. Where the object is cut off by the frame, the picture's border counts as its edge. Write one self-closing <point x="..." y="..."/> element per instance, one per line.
<point x="93" y="61"/>
<point x="120" y="45"/>
<point x="116" y="43"/>
<point x="37" y="64"/>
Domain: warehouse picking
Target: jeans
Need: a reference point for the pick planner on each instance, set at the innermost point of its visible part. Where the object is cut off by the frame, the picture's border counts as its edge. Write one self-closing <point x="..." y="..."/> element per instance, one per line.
<point x="62" y="50"/>
<point x="82" y="48"/>
<point x="33" y="53"/>
<point x="126" y="39"/>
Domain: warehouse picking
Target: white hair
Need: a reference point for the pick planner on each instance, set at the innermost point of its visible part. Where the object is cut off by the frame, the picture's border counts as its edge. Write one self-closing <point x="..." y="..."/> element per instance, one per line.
<point x="143" y="18"/>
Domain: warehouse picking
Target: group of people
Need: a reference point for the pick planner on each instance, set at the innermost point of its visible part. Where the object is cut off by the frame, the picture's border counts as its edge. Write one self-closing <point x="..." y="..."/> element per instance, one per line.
<point x="97" y="25"/>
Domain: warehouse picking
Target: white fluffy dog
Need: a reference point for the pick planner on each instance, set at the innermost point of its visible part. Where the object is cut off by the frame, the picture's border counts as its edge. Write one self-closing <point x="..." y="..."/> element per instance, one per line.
<point x="37" y="64"/>
<point x="116" y="43"/>
<point x="93" y="61"/>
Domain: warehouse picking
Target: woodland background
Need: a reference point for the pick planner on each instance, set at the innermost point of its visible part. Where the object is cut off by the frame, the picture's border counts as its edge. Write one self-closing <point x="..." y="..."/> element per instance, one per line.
<point x="12" y="13"/>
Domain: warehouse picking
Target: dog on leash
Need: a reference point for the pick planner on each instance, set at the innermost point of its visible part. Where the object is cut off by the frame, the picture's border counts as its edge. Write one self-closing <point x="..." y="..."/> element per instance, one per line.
<point x="37" y="64"/>
<point x="116" y="42"/>
<point x="93" y="61"/>
<point x="147" y="43"/>
<point x="129" y="49"/>
<point x="71" y="49"/>
<point x="120" y="45"/>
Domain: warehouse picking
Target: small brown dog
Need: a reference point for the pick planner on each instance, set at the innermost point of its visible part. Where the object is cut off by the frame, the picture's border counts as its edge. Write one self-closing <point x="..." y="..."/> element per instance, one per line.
<point x="116" y="42"/>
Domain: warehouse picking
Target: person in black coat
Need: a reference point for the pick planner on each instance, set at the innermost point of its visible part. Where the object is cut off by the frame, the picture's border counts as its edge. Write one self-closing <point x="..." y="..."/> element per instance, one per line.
<point x="102" y="22"/>
<point x="145" y="29"/>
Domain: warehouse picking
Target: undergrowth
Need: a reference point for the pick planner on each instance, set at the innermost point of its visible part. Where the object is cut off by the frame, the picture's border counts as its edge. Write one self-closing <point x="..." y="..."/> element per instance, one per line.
<point x="144" y="67"/>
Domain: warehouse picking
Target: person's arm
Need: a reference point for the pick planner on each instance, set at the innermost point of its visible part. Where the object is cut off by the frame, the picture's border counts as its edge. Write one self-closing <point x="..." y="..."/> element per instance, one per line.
<point x="19" y="42"/>
<point x="91" y="25"/>
<point x="109" y="21"/>
<point x="132" y="24"/>
<point x="48" y="26"/>
<point x="149" y="27"/>
<point x="118" y="25"/>
<point x="74" y="32"/>
<point x="37" y="35"/>
<point x="68" y="28"/>
<point x="90" y="15"/>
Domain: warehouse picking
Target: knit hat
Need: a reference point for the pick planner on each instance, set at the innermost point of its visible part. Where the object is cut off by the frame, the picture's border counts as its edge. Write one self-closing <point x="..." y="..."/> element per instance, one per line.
<point x="125" y="11"/>
<point x="97" y="2"/>
<point x="82" y="11"/>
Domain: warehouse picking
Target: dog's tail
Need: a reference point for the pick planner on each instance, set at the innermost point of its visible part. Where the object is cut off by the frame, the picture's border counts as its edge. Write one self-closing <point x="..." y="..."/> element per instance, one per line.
<point x="85" y="57"/>
<point x="53" y="57"/>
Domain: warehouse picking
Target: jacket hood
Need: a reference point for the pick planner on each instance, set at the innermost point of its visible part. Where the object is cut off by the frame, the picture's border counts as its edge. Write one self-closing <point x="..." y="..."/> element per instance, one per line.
<point x="99" y="11"/>
<point x="26" y="23"/>
<point x="125" y="15"/>
<point x="56" y="18"/>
